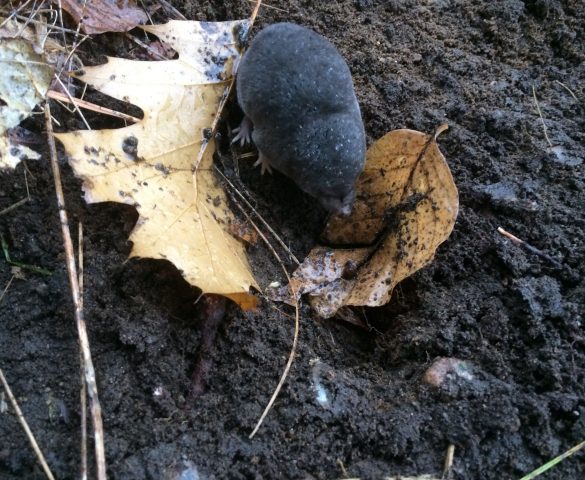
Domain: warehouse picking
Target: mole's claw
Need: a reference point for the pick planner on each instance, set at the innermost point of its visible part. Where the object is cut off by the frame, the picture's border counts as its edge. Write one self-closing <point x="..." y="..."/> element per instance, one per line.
<point x="243" y="132"/>
<point x="264" y="164"/>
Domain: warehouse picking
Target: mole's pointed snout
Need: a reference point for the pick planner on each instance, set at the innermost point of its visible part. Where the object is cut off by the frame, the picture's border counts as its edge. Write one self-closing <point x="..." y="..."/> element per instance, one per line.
<point x="341" y="206"/>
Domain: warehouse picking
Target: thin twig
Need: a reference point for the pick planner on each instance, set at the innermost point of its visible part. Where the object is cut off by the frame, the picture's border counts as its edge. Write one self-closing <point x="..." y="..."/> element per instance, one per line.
<point x="169" y="8"/>
<point x="71" y="100"/>
<point x="14" y="13"/>
<point x="13" y="206"/>
<point x="83" y="390"/>
<point x="80" y="262"/>
<point x="90" y="379"/>
<point x="146" y="47"/>
<point x="264" y="222"/>
<point x="255" y="12"/>
<point x="342" y="467"/>
<point x="541" y="117"/>
<point x="530" y="248"/>
<point x="270" y="6"/>
<point x="25" y="427"/>
<point x="22" y="201"/>
<point x="90" y="106"/>
<point x="567" y="89"/>
<point x="6" y="287"/>
<point x="146" y="12"/>
<point x="293" y="349"/>
<point x="53" y="27"/>
<point x="448" y="461"/>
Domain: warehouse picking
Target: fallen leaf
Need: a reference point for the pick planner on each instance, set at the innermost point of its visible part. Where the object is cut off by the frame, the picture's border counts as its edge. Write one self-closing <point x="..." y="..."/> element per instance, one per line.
<point x="25" y="76"/>
<point x="183" y="212"/>
<point x="406" y="206"/>
<point x="99" y="16"/>
<point x="244" y="232"/>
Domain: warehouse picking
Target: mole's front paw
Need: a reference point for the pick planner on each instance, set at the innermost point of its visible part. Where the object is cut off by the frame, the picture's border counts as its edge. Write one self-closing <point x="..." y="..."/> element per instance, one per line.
<point x="243" y="132"/>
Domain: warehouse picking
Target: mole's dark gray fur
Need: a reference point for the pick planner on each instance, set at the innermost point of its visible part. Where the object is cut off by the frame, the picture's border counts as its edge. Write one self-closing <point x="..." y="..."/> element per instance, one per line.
<point x="297" y="90"/>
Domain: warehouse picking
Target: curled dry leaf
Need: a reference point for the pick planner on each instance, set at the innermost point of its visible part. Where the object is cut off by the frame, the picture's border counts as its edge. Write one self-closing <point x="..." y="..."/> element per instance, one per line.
<point x="99" y="16"/>
<point x="25" y="76"/>
<point x="406" y="206"/>
<point x="183" y="211"/>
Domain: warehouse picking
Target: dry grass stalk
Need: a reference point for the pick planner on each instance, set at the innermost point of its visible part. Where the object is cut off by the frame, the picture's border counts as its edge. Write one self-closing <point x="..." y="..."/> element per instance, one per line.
<point x="89" y="370"/>
<point x="27" y="430"/>
<point x="293" y="349"/>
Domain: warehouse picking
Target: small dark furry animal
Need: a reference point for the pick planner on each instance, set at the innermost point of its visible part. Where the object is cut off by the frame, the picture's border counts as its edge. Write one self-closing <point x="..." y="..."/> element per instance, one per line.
<point x="296" y="90"/>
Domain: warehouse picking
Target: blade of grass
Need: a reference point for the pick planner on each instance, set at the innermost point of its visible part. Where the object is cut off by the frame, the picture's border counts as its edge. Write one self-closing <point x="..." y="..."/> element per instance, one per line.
<point x="553" y="462"/>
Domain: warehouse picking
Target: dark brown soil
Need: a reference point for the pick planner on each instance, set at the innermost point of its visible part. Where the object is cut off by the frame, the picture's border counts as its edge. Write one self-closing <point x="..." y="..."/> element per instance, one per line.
<point x="353" y="398"/>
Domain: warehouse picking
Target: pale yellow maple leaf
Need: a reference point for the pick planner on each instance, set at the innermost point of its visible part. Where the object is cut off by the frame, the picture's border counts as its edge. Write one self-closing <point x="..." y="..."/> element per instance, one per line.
<point x="183" y="211"/>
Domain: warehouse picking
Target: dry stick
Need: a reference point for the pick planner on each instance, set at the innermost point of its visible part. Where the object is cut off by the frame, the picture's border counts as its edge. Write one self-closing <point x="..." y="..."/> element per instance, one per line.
<point x="63" y="30"/>
<point x="14" y="13"/>
<point x="71" y="100"/>
<point x="342" y="467"/>
<point x="83" y="390"/>
<point x="39" y="22"/>
<point x="255" y="12"/>
<point x="60" y="19"/>
<point x="25" y="427"/>
<point x="22" y="201"/>
<point x="79" y="320"/>
<point x="90" y="106"/>
<point x="76" y="35"/>
<point x="541" y="117"/>
<point x="146" y="47"/>
<point x="567" y="89"/>
<point x="14" y="205"/>
<point x="297" y="321"/>
<point x="448" y="460"/>
<point x="167" y="6"/>
<point x="271" y="6"/>
<point x="530" y="248"/>
<point x="146" y="12"/>
<point x="264" y="222"/>
<point x="7" y="287"/>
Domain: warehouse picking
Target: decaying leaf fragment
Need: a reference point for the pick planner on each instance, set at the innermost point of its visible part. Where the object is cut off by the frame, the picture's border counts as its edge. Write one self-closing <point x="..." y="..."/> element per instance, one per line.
<point x="184" y="216"/>
<point x="25" y="76"/>
<point x="406" y="206"/>
<point x="99" y="16"/>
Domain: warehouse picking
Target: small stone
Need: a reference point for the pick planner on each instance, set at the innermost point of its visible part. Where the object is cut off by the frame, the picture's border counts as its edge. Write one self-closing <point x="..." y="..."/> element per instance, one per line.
<point x="446" y="367"/>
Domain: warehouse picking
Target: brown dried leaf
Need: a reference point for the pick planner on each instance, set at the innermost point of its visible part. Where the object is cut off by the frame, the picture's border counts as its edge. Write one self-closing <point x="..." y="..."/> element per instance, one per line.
<point x="99" y="16"/>
<point x="243" y="231"/>
<point x="406" y="206"/>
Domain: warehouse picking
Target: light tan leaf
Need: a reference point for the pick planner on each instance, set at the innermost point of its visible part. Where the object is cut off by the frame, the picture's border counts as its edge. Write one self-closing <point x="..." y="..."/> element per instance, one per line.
<point x="406" y="206"/>
<point x="99" y="16"/>
<point x="24" y="79"/>
<point x="184" y="215"/>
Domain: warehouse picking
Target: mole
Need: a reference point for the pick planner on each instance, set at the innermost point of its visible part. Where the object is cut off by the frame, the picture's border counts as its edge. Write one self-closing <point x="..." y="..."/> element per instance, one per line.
<point x="302" y="113"/>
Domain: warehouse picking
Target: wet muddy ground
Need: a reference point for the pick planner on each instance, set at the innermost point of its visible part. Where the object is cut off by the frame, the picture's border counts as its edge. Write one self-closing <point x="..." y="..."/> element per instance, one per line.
<point x="356" y="403"/>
